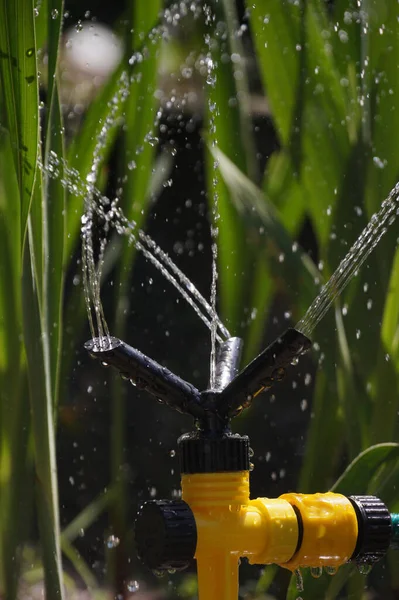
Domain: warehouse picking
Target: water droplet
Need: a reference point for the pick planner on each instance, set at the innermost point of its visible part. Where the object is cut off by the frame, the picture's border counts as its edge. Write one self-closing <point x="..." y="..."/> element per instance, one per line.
<point x="251" y="466"/>
<point x="131" y="165"/>
<point x="330" y="570"/>
<point x="113" y="542"/>
<point x="133" y="586"/>
<point x="380" y="164"/>
<point x="251" y="452"/>
<point x="30" y="52"/>
<point x="172" y="453"/>
<point x="54" y="13"/>
<point x="364" y="568"/>
<point x="304" y="405"/>
<point x="158" y="573"/>
<point x="35" y="12"/>
<point x="308" y="379"/>
<point x="298" y="580"/>
<point x="316" y="572"/>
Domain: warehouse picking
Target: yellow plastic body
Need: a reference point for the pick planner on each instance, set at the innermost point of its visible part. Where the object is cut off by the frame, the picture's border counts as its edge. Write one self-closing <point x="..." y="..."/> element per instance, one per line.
<point x="329" y="530"/>
<point x="230" y="526"/>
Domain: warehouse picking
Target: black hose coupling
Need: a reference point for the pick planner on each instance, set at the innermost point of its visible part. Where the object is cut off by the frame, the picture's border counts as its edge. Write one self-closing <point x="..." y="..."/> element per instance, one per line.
<point x="374" y="529"/>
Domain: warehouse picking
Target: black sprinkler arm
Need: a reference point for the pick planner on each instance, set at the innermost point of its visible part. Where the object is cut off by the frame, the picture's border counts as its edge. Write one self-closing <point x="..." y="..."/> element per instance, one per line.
<point x="145" y="373"/>
<point x="263" y="372"/>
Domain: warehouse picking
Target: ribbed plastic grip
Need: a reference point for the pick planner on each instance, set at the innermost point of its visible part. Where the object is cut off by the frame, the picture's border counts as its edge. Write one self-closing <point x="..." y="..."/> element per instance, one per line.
<point x="374" y="522"/>
<point x="166" y="534"/>
<point x="213" y="455"/>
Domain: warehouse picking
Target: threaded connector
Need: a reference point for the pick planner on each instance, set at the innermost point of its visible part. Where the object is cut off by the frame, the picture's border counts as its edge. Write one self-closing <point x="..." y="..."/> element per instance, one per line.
<point x="374" y="529"/>
<point x="166" y="534"/>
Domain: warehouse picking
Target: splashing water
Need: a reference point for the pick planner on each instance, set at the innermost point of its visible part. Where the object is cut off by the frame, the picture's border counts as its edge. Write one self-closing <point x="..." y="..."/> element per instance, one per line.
<point x="100" y="210"/>
<point x="211" y="82"/>
<point x="298" y="580"/>
<point x="354" y="259"/>
<point x="111" y="215"/>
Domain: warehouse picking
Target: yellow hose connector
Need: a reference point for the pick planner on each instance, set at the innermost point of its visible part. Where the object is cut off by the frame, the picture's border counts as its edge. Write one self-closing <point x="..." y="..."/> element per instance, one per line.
<point x="329" y="530"/>
<point x="295" y="530"/>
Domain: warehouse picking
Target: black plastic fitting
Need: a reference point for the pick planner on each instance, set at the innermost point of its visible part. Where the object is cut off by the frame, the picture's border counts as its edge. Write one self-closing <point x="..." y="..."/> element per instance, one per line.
<point x="166" y="534"/>
<point x="374" y="529"/>
<point x="146" y="374"/>
<point x="227" y="453"/>
<point x="263" y="372"/>
<point x="212" y="409"/>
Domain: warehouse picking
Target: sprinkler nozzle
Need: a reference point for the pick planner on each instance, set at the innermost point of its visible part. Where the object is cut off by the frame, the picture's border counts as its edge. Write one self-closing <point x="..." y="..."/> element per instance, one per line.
<point x="146" y="374"/>
<point x="263" y="372"/>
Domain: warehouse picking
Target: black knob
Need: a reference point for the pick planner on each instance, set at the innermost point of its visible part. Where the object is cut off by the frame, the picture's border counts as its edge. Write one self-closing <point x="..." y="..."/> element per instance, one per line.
<point x="374" y="523"/>
<point x="166" y="534"/>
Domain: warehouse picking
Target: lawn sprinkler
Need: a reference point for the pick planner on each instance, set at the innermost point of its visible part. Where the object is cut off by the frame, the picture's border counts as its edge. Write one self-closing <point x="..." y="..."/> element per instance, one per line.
<point x="216" y="523"/>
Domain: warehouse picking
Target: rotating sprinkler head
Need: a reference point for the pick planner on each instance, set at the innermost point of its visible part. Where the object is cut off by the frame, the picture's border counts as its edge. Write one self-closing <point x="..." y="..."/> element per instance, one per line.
<point x="231" y="392"/>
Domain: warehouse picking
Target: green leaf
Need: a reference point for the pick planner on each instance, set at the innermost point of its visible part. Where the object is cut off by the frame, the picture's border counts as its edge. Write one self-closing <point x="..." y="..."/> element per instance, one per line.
<point x="14" y="405"/>
<point x="19" y="93"/>
<point x="40" y="387"/>
<point x="356" y="477"/>
<point x="55" y="14"/>
<point x="53" y="219"/>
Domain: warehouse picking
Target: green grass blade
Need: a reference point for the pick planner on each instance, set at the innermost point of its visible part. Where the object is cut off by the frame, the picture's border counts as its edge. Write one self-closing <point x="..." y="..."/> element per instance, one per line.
<point x="54" y="242"/>
<point x="20" y="93"/>
<point x="80" y="566"/>
<point x="41" y="24"/>
<point x="14" y="406"/>
<point x="39" y="372"/>
<point x="55" y="12"/>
